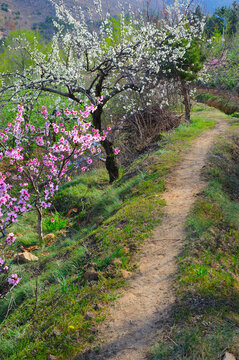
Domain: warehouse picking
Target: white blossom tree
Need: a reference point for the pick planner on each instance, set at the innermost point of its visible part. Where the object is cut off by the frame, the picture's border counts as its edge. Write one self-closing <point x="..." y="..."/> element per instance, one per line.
<point x="126" y="53"/>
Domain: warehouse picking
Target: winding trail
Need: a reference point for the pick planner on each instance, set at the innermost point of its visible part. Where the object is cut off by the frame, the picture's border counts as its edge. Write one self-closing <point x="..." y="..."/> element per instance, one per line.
<point x="145" y="305"/>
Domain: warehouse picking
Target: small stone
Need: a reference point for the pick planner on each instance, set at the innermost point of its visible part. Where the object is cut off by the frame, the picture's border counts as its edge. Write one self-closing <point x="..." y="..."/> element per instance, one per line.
<point x="91" y="275"/>
<point x="228" y="356"/>
<point x="25" y="257"/>
<point x="126" y="274"/>
<point x="117" y="262"/>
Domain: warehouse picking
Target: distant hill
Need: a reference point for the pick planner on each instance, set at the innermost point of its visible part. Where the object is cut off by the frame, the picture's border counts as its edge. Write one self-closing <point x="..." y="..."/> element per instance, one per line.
<point x="18" y="14"/>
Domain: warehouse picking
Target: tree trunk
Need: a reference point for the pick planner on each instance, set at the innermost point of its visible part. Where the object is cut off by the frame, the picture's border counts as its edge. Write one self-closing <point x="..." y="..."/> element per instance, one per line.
<point x="39" y="223"/>
<point x="186" y="101"/>
<point x="111" y="163"/>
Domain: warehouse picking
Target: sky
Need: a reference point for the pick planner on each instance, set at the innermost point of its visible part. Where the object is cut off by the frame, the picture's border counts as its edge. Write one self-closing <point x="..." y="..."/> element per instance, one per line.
<point x="208" y="5"/>
<point x="211" y="5"/>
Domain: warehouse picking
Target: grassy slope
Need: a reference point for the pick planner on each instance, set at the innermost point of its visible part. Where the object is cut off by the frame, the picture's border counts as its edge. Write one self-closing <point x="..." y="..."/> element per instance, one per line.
<point x="206" y="317"/>
<point x="114" y="221"/>
<point x="227" y="104"/>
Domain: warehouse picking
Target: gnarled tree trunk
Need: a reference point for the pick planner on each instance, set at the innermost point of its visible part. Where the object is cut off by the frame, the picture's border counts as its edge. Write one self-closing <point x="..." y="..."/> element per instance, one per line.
<point x="111" y="163"/>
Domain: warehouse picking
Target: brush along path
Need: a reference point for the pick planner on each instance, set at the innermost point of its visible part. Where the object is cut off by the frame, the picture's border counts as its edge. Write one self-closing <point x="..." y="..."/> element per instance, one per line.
<point x="145" y="305"/>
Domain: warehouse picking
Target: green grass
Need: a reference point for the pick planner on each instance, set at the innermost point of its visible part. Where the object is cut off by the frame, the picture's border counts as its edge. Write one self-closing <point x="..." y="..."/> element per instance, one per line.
<point x="205" y="319"/>
<point x="111" y="221"/>
<point x="54" y="223"/>
<point x="235" y="115"/>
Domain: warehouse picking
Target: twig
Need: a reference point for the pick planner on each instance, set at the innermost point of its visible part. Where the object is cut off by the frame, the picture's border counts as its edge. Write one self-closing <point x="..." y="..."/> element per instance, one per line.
<point x="9" y="307"/>
<point x="173" y="341"/>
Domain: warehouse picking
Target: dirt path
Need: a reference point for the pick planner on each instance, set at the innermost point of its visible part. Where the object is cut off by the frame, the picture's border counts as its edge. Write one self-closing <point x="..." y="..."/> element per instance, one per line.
<point x="138" y="314"/>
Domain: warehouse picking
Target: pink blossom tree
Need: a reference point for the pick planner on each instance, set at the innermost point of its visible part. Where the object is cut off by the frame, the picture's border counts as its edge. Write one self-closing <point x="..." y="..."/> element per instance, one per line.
<point x="38" y="160"/>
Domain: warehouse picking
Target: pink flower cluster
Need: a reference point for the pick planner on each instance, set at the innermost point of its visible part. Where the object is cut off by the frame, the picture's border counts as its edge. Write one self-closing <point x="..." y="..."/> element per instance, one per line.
<point x="44" y="112"/>
<point x="11" y="207"/>
<point x="10" y="239"/>
<point x="13" y="280"/>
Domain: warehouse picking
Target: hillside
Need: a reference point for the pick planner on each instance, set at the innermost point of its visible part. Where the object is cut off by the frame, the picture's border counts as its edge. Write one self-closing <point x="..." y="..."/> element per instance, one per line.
<point x="119" y="186"/>
<point x="18" y="14"/>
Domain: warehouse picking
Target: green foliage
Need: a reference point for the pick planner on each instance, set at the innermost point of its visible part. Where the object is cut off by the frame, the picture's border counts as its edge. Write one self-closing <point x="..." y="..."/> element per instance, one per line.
<point x="193" y="60"/>
<point x="4" y="7"/>
<point x="115" y="22"/>
<point x="18" y="59"/>
<point x="45" y="28"/>
<point x="191" y="63"/>
<point x="226" y="74"/>
<point x="230" y="13"/>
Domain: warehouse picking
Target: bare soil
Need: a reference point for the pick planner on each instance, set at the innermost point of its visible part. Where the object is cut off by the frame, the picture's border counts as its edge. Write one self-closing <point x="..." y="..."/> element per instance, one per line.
<point x="145" y="306"/>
